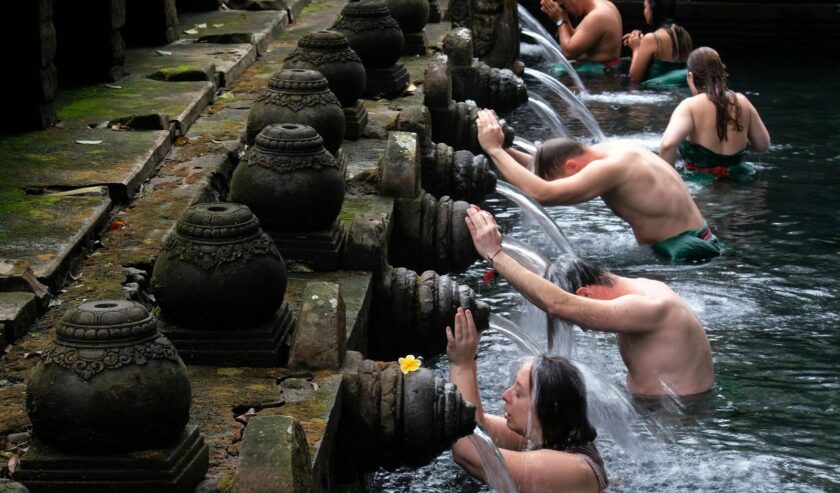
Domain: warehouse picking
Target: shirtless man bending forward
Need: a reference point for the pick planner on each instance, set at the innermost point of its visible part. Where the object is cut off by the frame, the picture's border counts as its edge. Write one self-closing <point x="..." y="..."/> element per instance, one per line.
<point x="636" y="184"/>
<point x="661" y="340"/>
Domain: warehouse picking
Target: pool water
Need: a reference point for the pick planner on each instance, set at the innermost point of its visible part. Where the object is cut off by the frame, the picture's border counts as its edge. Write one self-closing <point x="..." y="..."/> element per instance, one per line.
<point x="770" y="303"/>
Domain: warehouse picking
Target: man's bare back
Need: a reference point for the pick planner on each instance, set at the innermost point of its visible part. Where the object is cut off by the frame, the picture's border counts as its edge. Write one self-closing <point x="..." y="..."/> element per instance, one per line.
<point x="650" y="195"/>
<point x="674" y="356"/>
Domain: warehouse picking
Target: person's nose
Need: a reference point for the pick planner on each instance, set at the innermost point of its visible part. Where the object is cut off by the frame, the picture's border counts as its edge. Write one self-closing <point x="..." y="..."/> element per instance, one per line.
<point x="506" y="395"/>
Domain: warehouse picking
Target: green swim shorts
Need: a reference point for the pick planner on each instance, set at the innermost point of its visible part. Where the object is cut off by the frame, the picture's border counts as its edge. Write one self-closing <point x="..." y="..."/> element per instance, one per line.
<point x="690" y="246"/>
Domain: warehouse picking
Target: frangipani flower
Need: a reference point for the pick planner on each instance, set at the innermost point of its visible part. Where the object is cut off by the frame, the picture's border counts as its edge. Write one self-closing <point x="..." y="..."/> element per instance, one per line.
<point x="409" y="363"/>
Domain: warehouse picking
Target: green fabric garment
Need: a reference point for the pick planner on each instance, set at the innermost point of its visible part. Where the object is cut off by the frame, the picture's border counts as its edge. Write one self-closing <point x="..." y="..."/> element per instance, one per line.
<point x="674" y="78"/>
<point x="659" y="68"/>
<point x="689" y="247"/>
<point x="699" y="155"/>
<point x="585" y="68"/>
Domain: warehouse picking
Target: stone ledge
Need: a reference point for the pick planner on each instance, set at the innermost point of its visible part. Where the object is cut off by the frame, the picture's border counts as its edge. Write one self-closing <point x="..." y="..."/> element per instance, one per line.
<point x="17" y="312"/>
<point x="234" y="27"/>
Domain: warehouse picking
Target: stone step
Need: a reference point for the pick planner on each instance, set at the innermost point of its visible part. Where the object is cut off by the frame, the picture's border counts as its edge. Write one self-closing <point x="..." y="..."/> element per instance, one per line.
<point x="17" y="312"/>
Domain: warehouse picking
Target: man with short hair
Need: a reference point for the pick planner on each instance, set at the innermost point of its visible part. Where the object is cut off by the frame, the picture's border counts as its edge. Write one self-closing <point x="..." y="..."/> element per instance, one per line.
<point x="636" y="184"/>
<point x="661" y="340"/>
<point x="596" y="38"/>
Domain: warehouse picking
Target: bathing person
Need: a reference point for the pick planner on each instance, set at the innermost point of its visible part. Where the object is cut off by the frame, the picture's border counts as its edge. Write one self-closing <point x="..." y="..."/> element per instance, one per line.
<point x="635" y="183"/>
<point x="661" y="340"/>
<point x="661" y="51"/>
<point x="715" y="126"/>
<point x="546" y="406"/>
<point x="597" y="38"/>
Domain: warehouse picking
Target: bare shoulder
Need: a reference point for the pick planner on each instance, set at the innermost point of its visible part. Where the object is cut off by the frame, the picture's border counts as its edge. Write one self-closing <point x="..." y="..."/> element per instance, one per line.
<point x="549" y="470"/>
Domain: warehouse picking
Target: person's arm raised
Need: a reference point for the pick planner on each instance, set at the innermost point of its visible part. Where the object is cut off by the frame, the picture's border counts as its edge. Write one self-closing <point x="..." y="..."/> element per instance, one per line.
<point x="523" y="158"/>
<point x="584" y="38"/>
<point x="644" y="51"/>
<point x="680" y="125"/>
<point x="462" y="349"/>
<point x="629" y="313"/>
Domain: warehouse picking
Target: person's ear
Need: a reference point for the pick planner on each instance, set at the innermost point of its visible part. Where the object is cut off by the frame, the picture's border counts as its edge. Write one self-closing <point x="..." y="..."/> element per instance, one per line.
<point x="584" y="291"/>
<point x="573" y="165"/>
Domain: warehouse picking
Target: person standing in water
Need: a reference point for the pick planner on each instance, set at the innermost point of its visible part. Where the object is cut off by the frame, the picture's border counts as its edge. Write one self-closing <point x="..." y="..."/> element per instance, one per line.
<point x="545" y="436"/>
<point x="633" y="182"/>
<point x="661" y="340"/>
<point x="661" y="51"/>
<point x="715" y="126"/>
<point x="596" y="39"/>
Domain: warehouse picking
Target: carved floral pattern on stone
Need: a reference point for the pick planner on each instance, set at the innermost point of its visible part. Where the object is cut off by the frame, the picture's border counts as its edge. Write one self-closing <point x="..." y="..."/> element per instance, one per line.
<point x="321" y="57"/>
<point x="283" y="163"/>
<point x="357" y="25"/>
<point x="209" y="256"/>
<point x="88" y="363"/>
<point x="297" y="102"/>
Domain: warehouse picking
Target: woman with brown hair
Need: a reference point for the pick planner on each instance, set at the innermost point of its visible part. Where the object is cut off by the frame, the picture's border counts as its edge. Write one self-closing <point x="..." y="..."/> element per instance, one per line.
<point x="544" y="437"/>
<point x="661" y="51"/>
<point x="715" y="126"/>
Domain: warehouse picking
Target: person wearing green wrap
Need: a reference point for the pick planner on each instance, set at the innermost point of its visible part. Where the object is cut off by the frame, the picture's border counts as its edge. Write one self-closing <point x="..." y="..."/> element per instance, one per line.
<point x="715" y="126"/>
<point x="596" y="40"/>
<point x="633" y="182"/>
<point x="659" y="52"/>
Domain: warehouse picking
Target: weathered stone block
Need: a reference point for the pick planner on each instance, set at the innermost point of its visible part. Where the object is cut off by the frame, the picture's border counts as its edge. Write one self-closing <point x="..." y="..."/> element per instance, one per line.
<point x="274" y="457"/>
<point x="401" y="166"/>
<point x="437" y="86"/>
<point x="367" y="245"/>
<point x="17" y="313"/>
<point x="321" y="334"/>
<point x="417" y="119"/>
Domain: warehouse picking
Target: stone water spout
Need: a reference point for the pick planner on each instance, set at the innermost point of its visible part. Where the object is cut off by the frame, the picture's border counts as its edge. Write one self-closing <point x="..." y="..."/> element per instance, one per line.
<point x="461" y="175"/>
<point x="329" y="52"/>
<point x="432" y="234"/>
<point x="298" y="96"/>
<point x="412" y="310"/>
<point x="108" y="386"/>
<point x="452" y="123"/>
<point x="393" y="419"/>
<point x="220" y="283"/>
<point x="490" y="87"/>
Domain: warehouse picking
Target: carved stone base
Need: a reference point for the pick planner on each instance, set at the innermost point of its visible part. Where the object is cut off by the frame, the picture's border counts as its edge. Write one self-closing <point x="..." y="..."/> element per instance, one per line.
<point x="176" y="469"/>
<point x="319" y="250"/>
<point x="263" y="345"/>
<point x="355" y="120"/>
<point x="434" y="12"/>
<point x="415" y="43"/>
<point x="386" y="82"/>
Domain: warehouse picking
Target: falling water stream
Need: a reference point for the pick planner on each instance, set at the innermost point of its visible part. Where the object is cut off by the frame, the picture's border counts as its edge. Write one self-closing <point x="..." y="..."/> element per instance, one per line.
<point x="770" y="304"/>
<point x="577" y="107"/>
<point x="543" y="109"/>
<point x="536" y="212"/>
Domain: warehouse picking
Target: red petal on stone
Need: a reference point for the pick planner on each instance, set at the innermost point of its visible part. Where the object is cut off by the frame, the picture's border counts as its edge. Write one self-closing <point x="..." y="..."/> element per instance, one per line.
<point x="490" y="275"/>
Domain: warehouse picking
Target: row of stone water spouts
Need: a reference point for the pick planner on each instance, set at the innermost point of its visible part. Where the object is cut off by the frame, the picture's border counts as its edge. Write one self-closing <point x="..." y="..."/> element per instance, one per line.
<point x="112" y="383"/>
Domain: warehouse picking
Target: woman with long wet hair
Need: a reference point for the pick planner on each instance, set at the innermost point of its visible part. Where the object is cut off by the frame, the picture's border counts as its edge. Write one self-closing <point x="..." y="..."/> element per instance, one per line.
<point x="661" y="51"/>
<point x="545" y="437"/>
<point x="714" y="127"/>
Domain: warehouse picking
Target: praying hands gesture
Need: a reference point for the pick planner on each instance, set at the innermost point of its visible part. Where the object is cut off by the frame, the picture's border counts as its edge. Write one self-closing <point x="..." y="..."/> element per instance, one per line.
<point x="553" y="10"/>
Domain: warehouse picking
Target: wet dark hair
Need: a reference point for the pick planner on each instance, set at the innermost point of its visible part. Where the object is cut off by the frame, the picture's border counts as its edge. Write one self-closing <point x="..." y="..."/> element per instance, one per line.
<point x="710" y="76"/>
<point x="662" y="13"/>
<point x="559" y="402"/>
<point x="554" y="153"/>
<point x="574" y="273"/>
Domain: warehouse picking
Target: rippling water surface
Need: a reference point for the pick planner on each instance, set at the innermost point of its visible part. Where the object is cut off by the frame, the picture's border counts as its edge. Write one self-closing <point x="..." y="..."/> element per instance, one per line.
<point x="770" y="304"/>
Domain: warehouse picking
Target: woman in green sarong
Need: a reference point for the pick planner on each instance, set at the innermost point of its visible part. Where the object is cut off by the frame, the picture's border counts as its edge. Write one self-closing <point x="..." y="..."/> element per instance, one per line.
<point x="714" y="127"/>
<point x="659" y="53"/>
